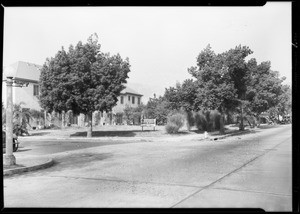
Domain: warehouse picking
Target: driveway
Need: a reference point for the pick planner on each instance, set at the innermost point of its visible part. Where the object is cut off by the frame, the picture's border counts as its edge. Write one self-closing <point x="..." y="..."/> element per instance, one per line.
<point x="252" y="170"/>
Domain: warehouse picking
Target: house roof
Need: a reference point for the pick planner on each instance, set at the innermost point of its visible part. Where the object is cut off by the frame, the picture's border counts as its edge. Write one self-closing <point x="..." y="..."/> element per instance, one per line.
<point x="25" y="70"/>
<point x="128" y="90"/>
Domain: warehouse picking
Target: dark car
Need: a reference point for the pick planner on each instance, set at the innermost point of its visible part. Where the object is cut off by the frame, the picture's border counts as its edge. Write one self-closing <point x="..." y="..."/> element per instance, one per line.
<point x="15" y="142"/>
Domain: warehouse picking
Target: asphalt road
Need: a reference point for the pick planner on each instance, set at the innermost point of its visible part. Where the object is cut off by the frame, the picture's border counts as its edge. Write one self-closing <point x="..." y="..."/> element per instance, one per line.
<point x="43" y="146"/>
<point x="252" y="170"/>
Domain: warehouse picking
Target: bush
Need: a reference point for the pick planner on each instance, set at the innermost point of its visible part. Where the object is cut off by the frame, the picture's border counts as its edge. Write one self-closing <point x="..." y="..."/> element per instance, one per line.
<point x="200" y="121"/>
<point x="20" y="130"/>
<point x="175" y="122"/>
<point x="207" y="120"/>
<point x="177" y="118"/>
<point x="215" y="117"/>
<point x="171" y="128"/>
<point x="190" y="119"/>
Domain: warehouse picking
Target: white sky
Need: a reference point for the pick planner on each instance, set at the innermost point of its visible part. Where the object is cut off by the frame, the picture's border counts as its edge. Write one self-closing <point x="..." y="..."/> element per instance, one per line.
<point x="160" y="42"/>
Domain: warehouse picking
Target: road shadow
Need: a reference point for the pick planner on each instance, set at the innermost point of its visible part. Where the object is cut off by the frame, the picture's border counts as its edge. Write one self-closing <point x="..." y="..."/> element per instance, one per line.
<point x="245" y="132"/>
<point x="74" y="161"/>
<point x="125" y="133"/>
<point x="197" y="131"/>
<point x="235" y="132"/>
<point x="106" y="134"/>
<point x="79" y="160"/>
<point x="180" y="133"/>
<point x="39" y="134"/>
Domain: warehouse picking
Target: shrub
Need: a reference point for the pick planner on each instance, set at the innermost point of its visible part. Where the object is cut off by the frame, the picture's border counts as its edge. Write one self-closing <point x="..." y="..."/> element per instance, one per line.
<point x="200" y="121"/>
<point x="177" y="118"/>
<point x="171" y="128"/>
<point x="20" y="130"/>
<point x="175" y="122"/>
<point x="215" y="117"/>
<point x="190" y="119"/>
<point x="207" y="120"/>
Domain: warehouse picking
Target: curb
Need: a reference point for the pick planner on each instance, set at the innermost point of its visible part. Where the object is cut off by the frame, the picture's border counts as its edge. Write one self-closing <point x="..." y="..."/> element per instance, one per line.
<point x="44" y="165"/>
<point x="229" y="135"/>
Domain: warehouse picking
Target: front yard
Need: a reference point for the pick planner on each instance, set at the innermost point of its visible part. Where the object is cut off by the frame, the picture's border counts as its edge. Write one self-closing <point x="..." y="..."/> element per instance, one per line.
<point x="121" y="131"/>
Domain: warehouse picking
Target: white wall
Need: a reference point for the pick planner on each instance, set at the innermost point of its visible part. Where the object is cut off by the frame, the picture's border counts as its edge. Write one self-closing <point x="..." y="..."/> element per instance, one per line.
<point x="120" y="107"/>
<point x="24" y="94"/>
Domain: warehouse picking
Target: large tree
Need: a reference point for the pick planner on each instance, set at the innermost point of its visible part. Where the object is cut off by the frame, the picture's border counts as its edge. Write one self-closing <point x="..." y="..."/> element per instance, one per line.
<point x="265" y="89"/>
<point x="215" y="88"/>
<point x="83" y="80"/>
<point x="285" y="101"/>
<point x="234" y="62"/>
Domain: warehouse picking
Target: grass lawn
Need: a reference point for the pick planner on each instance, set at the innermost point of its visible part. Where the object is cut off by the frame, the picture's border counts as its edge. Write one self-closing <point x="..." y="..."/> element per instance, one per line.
<point x="121" y="131"/>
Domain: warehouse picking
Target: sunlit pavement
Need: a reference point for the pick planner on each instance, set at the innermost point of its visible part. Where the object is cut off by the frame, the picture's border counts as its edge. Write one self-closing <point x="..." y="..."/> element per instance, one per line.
<point x="253" y="170"/>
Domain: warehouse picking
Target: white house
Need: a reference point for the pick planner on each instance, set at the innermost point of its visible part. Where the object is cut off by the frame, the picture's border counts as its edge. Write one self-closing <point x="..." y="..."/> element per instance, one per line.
<point x="26" y="72"/>
<point x="128" y="97"/>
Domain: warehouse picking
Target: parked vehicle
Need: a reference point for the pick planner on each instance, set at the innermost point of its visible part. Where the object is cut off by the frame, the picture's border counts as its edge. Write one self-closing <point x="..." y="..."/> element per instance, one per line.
<point x="287" y="119"/>
<point x="15" y="142"/>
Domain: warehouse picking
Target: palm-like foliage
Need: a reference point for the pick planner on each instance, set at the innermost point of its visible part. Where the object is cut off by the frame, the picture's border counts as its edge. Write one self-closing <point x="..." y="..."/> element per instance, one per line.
<point x="22" y="115"/>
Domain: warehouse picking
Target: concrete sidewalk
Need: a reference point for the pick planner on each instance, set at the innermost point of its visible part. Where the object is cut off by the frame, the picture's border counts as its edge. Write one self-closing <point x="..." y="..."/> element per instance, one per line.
<point x="26" y="163"/>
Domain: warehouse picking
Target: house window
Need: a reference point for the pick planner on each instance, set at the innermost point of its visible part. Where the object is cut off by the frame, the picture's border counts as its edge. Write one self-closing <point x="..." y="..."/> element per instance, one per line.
<point x="139" y="100"/>
<point x="122" y="99"/>
<point x="128" y="98"/>
<point x="36" y="90"/>
<point x="133" y="99"/>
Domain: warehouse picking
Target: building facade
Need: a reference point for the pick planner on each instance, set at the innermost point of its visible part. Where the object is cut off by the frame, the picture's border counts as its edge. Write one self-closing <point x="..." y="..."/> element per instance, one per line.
<point x="128" y="98"/>
<point x="29" y="73"/>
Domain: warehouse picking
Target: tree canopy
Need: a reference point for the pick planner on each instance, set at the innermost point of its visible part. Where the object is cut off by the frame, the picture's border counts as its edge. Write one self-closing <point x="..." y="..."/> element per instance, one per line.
<point x="228" y="83"/>
<point x="83" y="79"/>
<point x="181" y="96"/>
<point x="265" y="89"/>
<point x="215" y="88"/>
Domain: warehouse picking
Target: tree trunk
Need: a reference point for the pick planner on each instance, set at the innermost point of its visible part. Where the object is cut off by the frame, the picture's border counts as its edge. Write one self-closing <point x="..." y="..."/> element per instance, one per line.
<point x="45" y="118"/>
<point x="258" y="120"/>
<point x="242" y="119"/>
<point x="62" y="119"/>
<point x="188" y="126"/>
<point x="90" y="125"/>
<point x="222" y="130"/>
<point x="249" y="123"/>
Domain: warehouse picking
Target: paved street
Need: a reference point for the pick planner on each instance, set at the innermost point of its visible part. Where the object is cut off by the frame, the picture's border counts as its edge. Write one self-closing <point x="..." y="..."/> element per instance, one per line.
<point x="252" y="170"/>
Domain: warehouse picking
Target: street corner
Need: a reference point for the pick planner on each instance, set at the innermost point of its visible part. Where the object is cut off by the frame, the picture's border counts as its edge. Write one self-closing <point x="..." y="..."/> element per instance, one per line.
<point x="26" y="164"/>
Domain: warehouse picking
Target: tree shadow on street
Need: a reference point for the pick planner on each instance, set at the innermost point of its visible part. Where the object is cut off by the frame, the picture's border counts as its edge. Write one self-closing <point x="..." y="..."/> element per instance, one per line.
<point x="197" y="131"/>
<point x="75" y="161"/>
<point x="180" y="133"/>
<point x="234" y="132"/>
<point x="106" y="134"/>
<point x="39" y="134"/>
<point x="124" y="133"/>
<point x="69" y="162"/>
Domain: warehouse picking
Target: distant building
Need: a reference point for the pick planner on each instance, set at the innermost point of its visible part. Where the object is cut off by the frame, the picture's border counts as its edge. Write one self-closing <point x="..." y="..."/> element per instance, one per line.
<point x="129" y="98"/>
<point x="30" y="72"/>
